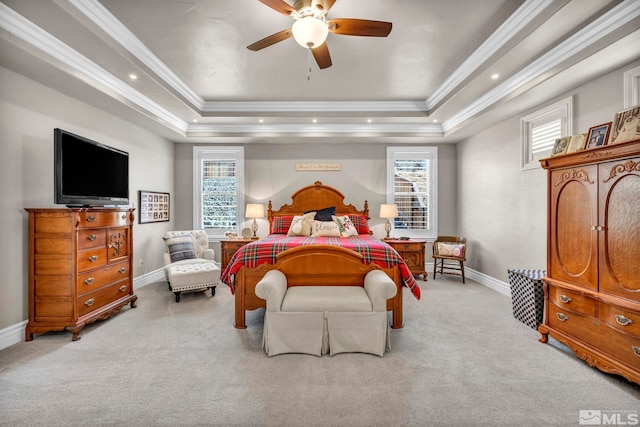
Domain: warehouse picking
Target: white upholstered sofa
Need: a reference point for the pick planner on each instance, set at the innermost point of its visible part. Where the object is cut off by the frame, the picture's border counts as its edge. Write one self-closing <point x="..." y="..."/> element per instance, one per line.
<point x="303" y="316"/>
<point x="189" y="262"/>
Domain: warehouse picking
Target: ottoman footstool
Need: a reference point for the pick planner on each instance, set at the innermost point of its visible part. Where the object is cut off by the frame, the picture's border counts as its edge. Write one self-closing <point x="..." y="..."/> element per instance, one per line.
<point x="193" y="277"/>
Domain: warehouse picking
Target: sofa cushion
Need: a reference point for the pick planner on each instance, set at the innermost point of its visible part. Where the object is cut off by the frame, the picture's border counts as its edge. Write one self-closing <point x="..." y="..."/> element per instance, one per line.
<point x="326" y="298"/>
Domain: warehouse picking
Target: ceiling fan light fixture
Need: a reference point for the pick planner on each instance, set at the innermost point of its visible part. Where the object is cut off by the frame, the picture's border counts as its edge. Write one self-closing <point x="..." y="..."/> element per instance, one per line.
<point x="310" y="32"/>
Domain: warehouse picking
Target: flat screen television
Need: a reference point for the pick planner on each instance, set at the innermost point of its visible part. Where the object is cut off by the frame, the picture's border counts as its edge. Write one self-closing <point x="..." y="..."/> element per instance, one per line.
<point x="88" y="173"/>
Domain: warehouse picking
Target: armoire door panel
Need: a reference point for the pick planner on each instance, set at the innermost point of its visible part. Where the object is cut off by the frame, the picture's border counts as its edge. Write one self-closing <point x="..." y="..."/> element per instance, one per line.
<point x="573" y="238"/>
<point x="620" y="239"/>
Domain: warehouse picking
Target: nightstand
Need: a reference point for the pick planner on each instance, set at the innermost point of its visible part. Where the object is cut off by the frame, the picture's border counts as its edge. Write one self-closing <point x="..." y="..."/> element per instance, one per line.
<point x="413" y="253"/>
<point x="228" y="247"/>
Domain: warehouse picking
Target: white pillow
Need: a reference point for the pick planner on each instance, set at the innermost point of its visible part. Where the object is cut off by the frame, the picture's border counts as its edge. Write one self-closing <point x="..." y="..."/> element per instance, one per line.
<point x="325" y="228"/>
<point x="346" y="226"/>
<point x="301" y="225"/>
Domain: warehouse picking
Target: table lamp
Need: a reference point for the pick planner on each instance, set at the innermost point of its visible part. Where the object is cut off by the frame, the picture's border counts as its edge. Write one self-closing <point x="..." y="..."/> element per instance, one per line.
<point x="388" y="211"/>
<point x="254" y="210"/>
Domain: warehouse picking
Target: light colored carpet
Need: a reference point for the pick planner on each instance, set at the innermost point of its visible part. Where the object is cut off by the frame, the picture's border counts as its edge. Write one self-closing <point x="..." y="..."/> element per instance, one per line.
<point x="461" y="359"/>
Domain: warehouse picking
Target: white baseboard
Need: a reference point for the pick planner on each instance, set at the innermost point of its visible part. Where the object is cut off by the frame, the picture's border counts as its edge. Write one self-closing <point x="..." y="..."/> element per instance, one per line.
<point x="149" y="278"/>
<point x="12" y="334"/>
<point x="15" y="333"/>
<point x="481" y="278"/>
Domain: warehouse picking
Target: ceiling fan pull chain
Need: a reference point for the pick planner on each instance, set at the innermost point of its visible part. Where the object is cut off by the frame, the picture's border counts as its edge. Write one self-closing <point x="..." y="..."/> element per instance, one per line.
<point x="308" y="65"/>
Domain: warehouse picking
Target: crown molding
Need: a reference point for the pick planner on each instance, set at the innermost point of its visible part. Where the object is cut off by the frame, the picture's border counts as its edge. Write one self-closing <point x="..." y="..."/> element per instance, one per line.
<point x="313" y="106"/>
<point x="108" y="23"/>
<point x="519" y="20"/>
<point x="367" y="130"/>
<point x="62" y="56"/>
<point x="546" y="65"/>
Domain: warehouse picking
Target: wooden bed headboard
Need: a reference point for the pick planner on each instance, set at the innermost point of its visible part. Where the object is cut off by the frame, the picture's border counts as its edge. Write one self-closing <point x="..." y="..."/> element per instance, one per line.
<point x="314" y="197"/>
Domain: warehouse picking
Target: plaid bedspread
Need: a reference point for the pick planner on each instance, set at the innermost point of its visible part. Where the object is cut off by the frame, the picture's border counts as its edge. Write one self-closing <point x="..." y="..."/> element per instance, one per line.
<point x="265" y="250"/>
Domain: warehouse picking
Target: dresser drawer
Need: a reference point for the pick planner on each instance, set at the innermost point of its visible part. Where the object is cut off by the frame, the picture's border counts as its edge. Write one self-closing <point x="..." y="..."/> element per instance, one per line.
<point x="101" y="297"/>
<point x="103" y="219"/>
<point x="573" y="301"/>
<point x="623" y="347"/>
<point x="409" y="246"/>
<point x="620" y="318"/>
<point x="91" y="258"/>
<point x="91" y="238"/>
<point x="95" y="279"/>
<point x="578" y="325"/>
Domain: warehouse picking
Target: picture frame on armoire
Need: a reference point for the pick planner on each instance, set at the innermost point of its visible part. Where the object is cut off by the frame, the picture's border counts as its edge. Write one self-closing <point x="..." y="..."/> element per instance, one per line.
<point x="154" y="206"/>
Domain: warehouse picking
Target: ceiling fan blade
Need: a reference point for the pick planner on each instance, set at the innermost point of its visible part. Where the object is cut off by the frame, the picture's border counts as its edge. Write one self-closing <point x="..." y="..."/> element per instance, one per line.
<point x="272" y="39"/>
<point x="359" y="27"/>
<point x="279" y="6"/>
<point x="322" y="56"/>
<point x="326" y="4"/>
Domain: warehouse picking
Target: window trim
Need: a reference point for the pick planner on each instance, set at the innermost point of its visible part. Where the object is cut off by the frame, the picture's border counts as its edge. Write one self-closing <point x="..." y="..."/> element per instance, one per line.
<point x="631" y="87"/>
<point x="430" y="153"/>
<point x="562" y="110"/>
<point x="217" y="153"/>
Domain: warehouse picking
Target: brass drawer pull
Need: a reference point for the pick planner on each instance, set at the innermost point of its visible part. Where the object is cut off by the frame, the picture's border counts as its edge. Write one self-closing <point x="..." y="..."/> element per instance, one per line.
<point x="624" y="321"/>
<point x="93" y="237"/>
<point x="124" y="216"/>
<point x="89" y="302"/>
<point x="89" y="281"/>
<point x="91" y="218"/>
<point x="565" y="299"/>
<point x="562" y="317"/>
<point x="122" y="270"/>
<point x="123" y="288"/>
<point x="93" y="258"/>
<point x="636" y="350"/>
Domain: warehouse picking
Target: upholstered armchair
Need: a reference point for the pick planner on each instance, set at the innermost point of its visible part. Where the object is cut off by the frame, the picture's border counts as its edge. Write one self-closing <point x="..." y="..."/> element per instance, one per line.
<point x="189" y="262"/>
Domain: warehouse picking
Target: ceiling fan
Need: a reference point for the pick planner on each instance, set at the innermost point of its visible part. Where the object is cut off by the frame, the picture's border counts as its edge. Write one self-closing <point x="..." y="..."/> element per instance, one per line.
<point x="311" y="27"/>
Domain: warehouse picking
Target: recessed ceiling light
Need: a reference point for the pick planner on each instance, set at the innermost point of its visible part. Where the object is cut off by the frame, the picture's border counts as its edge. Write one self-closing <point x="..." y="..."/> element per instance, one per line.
<point x="315" y="120"/>
<point x="133" y="76"/>
<point x="495" y="76"/>
<point x="261" y="120"/>
<point x="435" y="120"/>
<point x="195" y="120"/>
<point x="369" y="120"/>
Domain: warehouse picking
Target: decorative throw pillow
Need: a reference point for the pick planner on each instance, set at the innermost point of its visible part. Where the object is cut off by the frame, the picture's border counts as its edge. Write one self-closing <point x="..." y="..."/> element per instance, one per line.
<point x="281" y="224"/>
<point x="450" y="249"/>
<point x="361" y="223"/>
<point x="180" y="247"/>
<point x="325" y="228"/>
<point x="346" y="226"/>
<point x="301" y="225"/>
<point x="325" y="214"/>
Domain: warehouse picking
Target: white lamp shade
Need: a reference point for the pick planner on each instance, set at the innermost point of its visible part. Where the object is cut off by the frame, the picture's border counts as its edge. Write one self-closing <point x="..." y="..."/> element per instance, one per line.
<point x="254" y="210"/>
<point x="310" y="32"/>
<point x="388" y="211"/>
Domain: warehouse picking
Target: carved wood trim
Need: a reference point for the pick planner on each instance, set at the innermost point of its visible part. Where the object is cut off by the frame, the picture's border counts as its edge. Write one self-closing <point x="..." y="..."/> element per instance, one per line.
<point x="574" y="174"/>
<point x="628" y="167"/>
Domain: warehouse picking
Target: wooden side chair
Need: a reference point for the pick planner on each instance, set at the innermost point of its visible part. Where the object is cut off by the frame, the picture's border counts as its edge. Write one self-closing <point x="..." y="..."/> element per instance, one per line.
<point x="449" y="255"/>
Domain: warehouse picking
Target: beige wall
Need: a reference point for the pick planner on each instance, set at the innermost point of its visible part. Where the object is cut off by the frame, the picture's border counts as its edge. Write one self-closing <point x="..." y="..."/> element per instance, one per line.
<point x="270" y="175"/>
<point x="502" y="208"/>
<point x="29" y="112"/>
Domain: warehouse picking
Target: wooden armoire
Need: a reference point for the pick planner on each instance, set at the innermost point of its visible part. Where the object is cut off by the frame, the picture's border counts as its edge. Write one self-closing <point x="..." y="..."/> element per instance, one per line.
<point x="592" y="287"/>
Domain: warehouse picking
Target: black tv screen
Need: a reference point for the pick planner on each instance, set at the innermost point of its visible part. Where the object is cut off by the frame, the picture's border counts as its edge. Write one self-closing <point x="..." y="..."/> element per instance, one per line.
<point x="88" y="173"/>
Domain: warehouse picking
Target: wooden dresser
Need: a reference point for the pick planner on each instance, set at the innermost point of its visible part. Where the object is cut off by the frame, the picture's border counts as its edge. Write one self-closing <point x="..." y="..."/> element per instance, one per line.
<point x="592" y="288"/>
<point x="79" y="267"/>
<point x="413" y="253"/>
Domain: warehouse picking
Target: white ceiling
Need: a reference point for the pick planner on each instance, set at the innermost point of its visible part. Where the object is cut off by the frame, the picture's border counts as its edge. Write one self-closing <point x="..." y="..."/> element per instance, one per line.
<point x="428" y="81"/>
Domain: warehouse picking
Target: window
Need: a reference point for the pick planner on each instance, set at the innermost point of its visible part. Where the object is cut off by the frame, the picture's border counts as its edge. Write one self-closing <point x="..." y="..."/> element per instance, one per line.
<point x="219" y="189"/>
<point x="632" y="87"/>
<point x="541" y="129"/>
<point x="411" y="184"/>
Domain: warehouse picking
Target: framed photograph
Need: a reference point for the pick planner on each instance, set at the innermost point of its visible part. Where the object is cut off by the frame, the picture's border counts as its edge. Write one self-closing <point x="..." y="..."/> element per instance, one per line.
<point x="626" y="126"/>
<point x="598" y="135"/>
<point x="154" y="206"/>
<point x="576" y="143"/>
<point x="561" y="145"/>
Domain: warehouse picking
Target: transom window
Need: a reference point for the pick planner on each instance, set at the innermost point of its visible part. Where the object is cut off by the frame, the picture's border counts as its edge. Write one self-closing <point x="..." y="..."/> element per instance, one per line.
<point x="541" y="129"/>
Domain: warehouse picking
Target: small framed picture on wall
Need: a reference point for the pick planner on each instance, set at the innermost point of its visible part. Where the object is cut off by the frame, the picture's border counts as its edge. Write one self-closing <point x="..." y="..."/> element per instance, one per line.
<point x="154" y="206"/>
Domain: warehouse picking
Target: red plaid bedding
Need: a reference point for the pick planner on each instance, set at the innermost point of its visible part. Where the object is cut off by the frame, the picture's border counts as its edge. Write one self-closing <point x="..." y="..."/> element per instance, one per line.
<point x="265" y="251"/>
